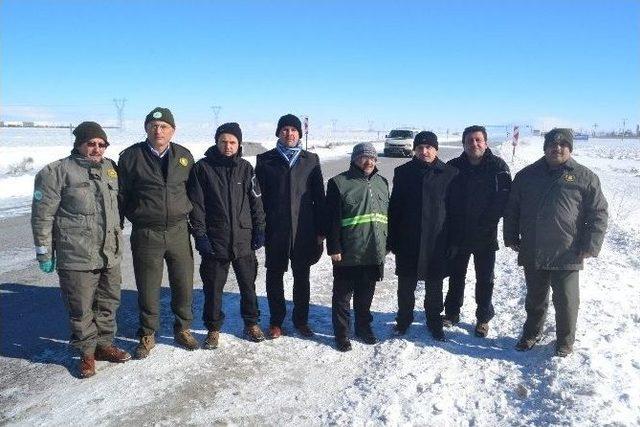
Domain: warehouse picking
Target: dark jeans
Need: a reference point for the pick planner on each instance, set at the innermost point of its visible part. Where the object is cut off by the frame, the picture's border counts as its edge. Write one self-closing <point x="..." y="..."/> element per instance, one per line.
<point x="362" y="292"/>
<point x="151" y="248"/>
<point x="407" y="300"/>
<point x="483" y="262"/>
<point x="214" y="273"/>
<point x="566" y="300"/>
<point x="275" y="295"/>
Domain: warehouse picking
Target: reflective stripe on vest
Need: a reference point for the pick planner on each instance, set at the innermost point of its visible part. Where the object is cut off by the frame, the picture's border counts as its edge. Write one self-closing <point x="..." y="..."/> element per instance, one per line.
<point x="364" y="219"/>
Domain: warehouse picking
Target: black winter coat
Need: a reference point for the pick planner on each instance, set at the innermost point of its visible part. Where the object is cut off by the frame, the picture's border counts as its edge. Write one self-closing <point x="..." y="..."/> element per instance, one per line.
<point x="227" y="205"/>
<point x="294" y="204"/>
<point x="418" y="234"/>
<point x="479" y="195"/>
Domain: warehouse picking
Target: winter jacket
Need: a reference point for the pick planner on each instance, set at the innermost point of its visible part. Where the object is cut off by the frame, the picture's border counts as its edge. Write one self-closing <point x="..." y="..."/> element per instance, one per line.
<point x="555" y="214"/>
<point x="294" y="204"/>
<point x="227" y="204"/>
<point x="478" y="198"/>
<point x="357" y="209"/>
<point x="75" y="214"/>
<point x="147" y="198"/>
<point x="418" y="234"/>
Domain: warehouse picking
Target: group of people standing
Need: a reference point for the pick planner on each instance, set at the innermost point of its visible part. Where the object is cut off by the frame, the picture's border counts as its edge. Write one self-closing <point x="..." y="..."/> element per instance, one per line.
<point x="436" y="216"/>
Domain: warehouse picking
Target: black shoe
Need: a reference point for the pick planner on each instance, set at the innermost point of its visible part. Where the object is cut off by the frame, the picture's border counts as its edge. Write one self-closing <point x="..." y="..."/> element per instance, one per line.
<point x="526" y="344"/>
<point x="449" y="320"/>
<point x="564" y="350"/>
<point x="367" y="337"/>
<point x="482" y="329"/>
<point x="399" y="330"/>
<point x="437" y="333"/>
<point x="343" y="344"/>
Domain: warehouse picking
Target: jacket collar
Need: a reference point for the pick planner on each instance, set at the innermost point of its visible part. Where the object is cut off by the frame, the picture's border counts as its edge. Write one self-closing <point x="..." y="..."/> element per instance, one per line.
<point x="214" y="155"/>
<point x="356" y="172"/>
<point x="437" y="164"/>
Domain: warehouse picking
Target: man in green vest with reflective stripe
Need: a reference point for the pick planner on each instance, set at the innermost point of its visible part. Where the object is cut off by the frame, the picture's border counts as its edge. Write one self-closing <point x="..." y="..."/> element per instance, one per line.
<point x="357" y="202"/>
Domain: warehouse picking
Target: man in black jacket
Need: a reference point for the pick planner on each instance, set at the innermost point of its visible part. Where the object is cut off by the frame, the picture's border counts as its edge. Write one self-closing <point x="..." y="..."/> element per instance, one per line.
<point x="479" y="194"/>
<point x="152" y="177"/>
<point x="294" y="203"/>
<point x="418" y="233"/>
<point x="227" y="222"/>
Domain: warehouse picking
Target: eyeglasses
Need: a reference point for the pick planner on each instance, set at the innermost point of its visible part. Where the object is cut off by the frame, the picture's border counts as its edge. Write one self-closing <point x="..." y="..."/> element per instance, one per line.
<point x="93" y="144"/>
<point x="163" y="128"/>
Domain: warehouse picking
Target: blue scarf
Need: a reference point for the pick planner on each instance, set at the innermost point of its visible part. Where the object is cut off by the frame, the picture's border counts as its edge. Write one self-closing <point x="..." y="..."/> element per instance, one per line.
<point x="290" y="154"/>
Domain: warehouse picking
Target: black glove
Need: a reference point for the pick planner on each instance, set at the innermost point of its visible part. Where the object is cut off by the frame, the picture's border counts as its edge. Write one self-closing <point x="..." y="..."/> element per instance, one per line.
<point x="203" y="245"/>
<point x="257" y="239"/>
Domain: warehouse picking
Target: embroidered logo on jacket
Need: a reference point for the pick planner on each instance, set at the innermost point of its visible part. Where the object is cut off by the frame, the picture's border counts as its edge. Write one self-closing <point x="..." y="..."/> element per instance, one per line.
<point x="569" y="178"/>
<point x="183" y="161"/>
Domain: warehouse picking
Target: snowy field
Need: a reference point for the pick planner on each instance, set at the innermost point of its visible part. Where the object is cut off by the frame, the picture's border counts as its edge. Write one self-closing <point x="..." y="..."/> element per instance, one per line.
<point x="294" y="381"/>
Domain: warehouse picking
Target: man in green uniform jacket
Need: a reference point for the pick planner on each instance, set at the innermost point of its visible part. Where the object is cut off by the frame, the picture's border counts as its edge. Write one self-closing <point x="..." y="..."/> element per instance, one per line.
<point x="357" y="202"/>
<point x="555" y="218"/>
<point x="75" y="223"/>
<point x="153" y="196"/>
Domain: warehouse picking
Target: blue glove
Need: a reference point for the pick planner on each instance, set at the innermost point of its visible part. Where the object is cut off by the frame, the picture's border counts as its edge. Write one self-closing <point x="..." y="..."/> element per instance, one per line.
<point x="257" y="239"/>
<point x="203" y="245"/>
<point x="48" y="266"/>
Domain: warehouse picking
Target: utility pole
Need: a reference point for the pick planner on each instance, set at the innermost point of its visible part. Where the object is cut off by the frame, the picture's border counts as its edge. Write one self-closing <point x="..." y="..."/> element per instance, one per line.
<point x="216" y="113"/>
<point x="119" y="103"/>
<point x="595" y="129"/>
<point x="624" y="124"/>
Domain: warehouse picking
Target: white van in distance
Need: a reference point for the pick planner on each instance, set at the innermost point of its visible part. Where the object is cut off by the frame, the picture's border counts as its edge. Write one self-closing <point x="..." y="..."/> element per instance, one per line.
<point x="399" y="142"/>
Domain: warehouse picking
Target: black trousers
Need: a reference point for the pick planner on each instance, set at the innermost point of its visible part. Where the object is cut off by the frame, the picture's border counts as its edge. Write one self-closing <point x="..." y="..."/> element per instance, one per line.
<point x="407" y="300"/>
<point x="214" y="272"/>
<point x="301" y="295"/>
<point x="362" y="290"/>
<point x="484" y="263"/>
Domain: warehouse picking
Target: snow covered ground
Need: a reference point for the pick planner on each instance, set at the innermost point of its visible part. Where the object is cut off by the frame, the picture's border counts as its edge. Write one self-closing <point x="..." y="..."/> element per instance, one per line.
<point x="296" y="381"/>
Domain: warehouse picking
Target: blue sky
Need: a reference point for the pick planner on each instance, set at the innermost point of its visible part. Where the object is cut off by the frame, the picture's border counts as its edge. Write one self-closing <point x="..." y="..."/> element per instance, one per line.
<point x="434" y="64"/>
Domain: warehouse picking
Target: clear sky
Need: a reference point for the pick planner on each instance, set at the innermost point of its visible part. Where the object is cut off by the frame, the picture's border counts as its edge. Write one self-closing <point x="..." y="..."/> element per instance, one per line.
<point x="428" y="63"/>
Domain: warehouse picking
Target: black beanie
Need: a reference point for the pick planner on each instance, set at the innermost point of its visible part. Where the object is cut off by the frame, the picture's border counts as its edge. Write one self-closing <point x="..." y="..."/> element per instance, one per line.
<point x="231" y="128"/>
<point x="88" y="130"/>
<point x="426" y="138"/>
<point x="289" y="120"/>
<point x="162" y="114"/>
<point x="557" y="135"/>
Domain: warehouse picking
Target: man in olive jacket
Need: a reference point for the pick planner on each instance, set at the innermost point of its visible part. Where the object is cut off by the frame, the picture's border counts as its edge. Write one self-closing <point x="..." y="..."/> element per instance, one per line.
<point x="479" y="194"/>
<point x="75" y="223"/>
<point x="153" y="196"/>
<point x="418" y="233"/>
<point x="357" y="202"/>
<point x="556" y="217"/>
<point x="294" y="203"/>
<point x="227" y="222"/>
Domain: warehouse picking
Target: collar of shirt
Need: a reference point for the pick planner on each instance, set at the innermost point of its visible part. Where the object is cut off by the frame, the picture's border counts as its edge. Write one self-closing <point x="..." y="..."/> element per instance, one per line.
<point x="156" y="152"/>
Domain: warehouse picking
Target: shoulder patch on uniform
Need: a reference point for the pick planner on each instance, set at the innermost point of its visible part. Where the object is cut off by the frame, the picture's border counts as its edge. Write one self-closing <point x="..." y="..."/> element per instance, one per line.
<point x="569" y="177"/>
<point x="111" y="173"/>
<point x="37" y="195"/>
<point x="183" y="161"/>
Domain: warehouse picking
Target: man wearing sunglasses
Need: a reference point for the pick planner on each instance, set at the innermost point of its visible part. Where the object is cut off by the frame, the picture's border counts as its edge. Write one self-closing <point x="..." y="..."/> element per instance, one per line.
<point x="76" y="229"/>
<point x="153" y="196"/>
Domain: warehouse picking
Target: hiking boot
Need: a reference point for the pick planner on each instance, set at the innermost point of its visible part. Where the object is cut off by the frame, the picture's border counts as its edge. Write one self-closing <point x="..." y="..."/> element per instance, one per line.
<point x="343" y="344"/>
<point x="399" y="330"/>
<point x="112" y="354"/>
<point x="305" y="331"/>
<point x="147" y="342"/>
<point x="526" y="344"/>
<point x="564" y="350"/>
<point x="185" y="339"/>
<point x="437" y="333"/>
<point x="211" y="341"/>
<point x="367" y="336"/>
<point x="87" y="366"/>
<point x="254" y="333"/>
<point x="450" y="319"/>
<point x="275" y="332"/>
<point x="482" y="329"/>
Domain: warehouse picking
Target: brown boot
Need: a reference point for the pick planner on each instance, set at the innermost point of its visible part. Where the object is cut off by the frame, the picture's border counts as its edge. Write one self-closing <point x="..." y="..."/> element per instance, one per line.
<point x="254" y="333"/>
<point x="482" y="329"/>
<point x="112" y="354"/>
<point x="305" y="331"/>
<point x="185" y="339"/>
<point x="147" y="342"/>
<point x="275" y="332"/>
<point x="211" y="341"/>
<point x="87" y="366"/>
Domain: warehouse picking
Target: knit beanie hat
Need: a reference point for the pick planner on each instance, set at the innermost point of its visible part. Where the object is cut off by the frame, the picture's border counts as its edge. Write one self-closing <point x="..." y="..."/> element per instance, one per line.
<point x="557" y="135"/>
<point x="162" y="114"/>
<point x="230" y="128"/>
<point x="363" y="149"/>
<point x="88" y="130"/>
<point x="289" y="120"/>
<point x="426" y="138"/>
